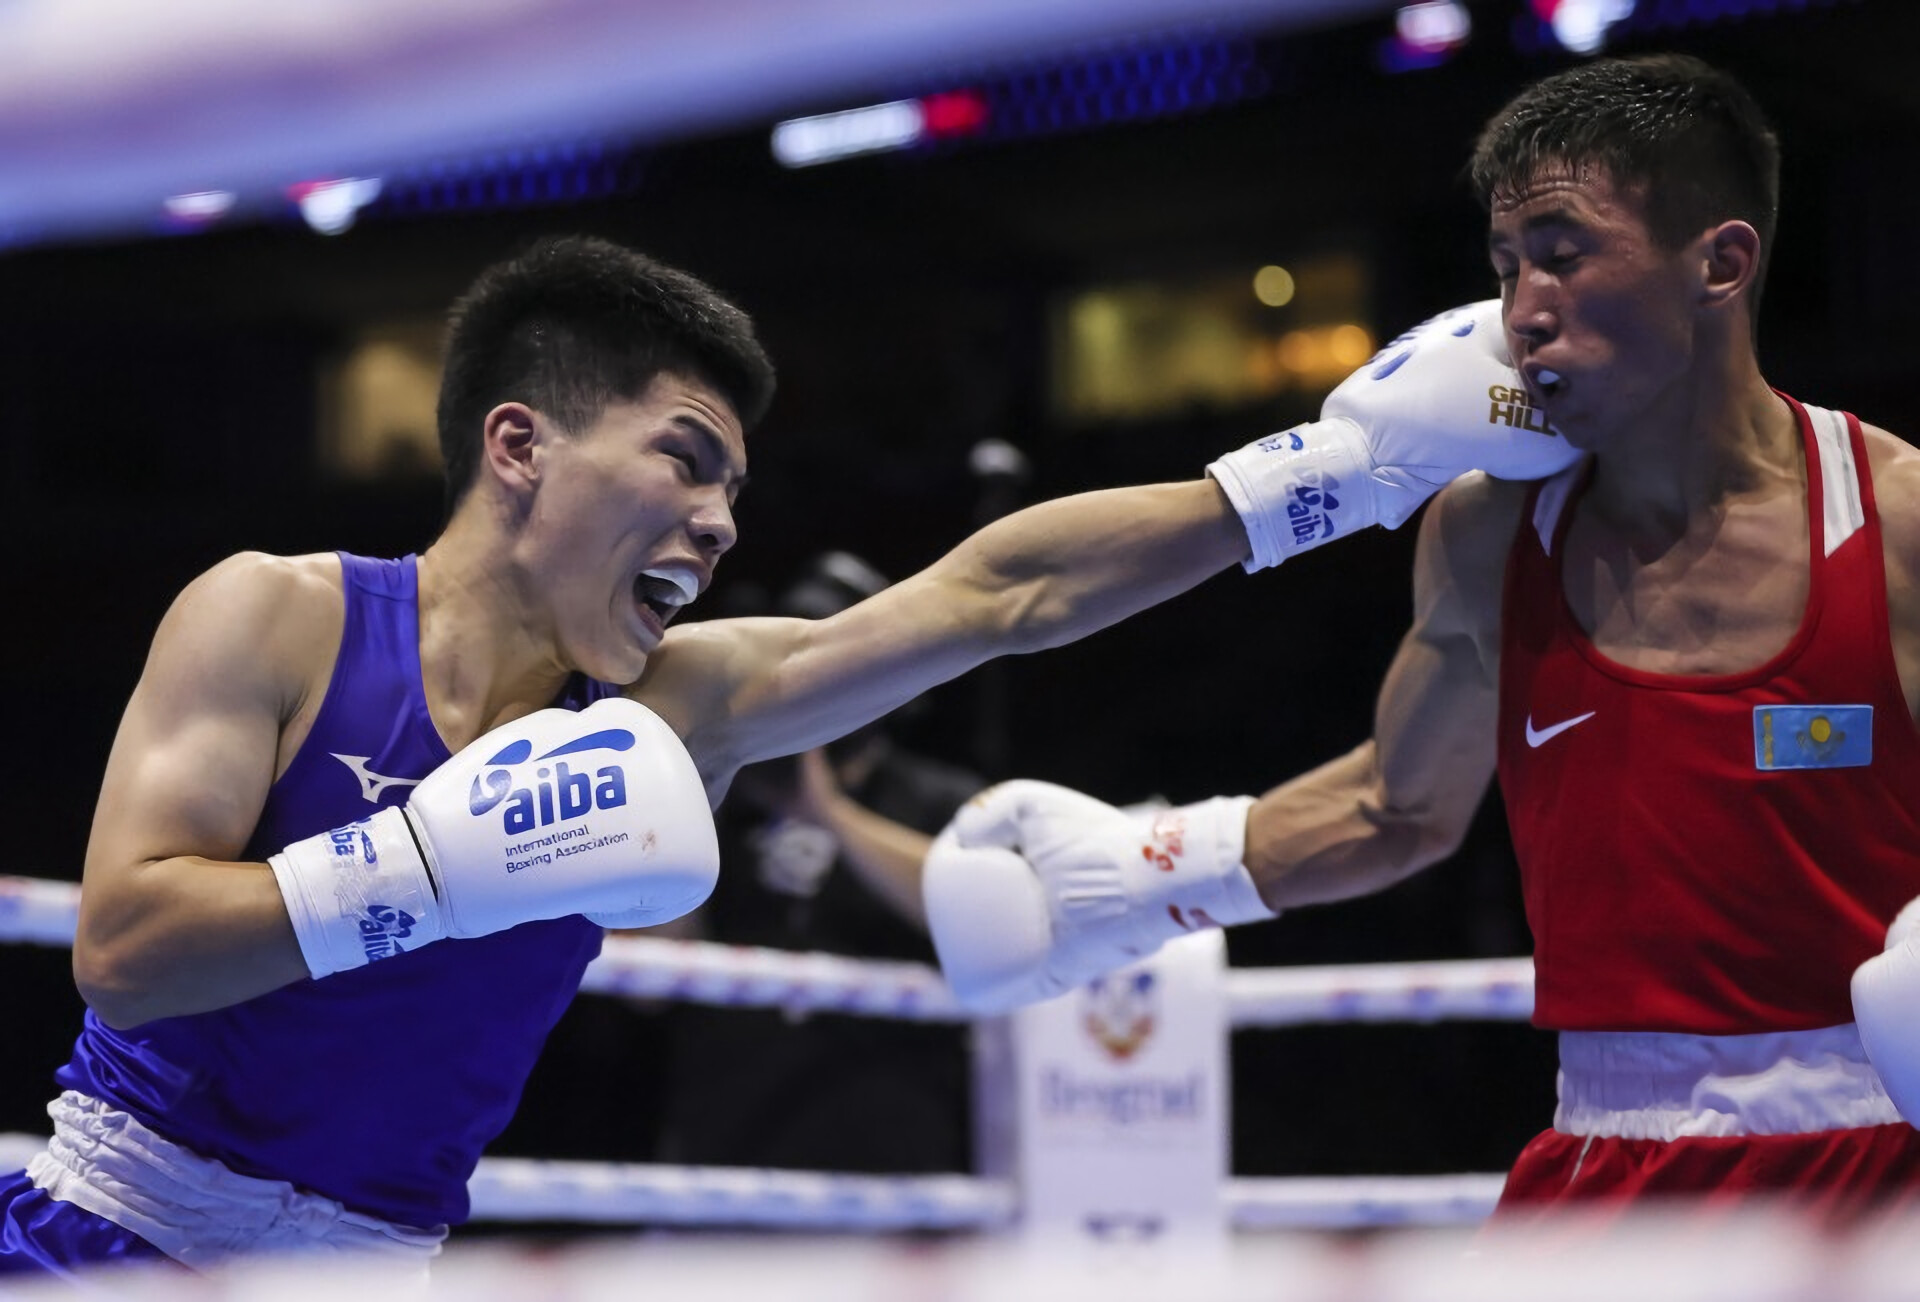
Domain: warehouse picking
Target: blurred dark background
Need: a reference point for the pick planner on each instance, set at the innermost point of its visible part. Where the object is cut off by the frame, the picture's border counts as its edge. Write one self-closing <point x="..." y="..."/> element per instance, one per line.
<point x="173" y="396"/>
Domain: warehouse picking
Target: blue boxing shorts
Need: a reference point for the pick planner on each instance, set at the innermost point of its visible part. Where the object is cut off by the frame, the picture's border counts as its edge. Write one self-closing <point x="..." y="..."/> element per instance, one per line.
<point x="39" y="1233"/>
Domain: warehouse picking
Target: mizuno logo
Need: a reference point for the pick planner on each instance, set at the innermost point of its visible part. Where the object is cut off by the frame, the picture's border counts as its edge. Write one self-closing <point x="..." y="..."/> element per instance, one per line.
<point x="1538" y="737"/>
<point x="372" y="785"/>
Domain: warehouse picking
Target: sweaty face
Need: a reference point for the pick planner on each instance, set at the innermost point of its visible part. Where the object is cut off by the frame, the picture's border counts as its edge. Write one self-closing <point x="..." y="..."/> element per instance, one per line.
<point x="1599" y="317"/>
<point x="630" y="518"/>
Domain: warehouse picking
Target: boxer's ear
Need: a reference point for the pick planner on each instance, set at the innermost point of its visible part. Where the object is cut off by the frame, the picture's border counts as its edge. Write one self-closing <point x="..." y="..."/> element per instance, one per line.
<point x="1729" y="262"/>
<point x="511" y="438"/>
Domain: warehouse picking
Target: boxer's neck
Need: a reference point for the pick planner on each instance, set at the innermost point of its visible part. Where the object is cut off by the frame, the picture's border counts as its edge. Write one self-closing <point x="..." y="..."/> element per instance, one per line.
<point x="1719" y="436"/>
<point x="488" y="651"/>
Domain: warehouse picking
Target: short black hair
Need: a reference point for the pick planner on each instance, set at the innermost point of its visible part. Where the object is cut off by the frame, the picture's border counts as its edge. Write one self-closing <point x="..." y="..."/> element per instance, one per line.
<point x="1684" y="132"/>
<point x="575" y="323"/>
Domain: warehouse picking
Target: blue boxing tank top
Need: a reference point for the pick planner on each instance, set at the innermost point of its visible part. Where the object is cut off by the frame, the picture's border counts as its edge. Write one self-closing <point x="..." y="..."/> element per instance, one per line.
<point x="377" y="1087"/>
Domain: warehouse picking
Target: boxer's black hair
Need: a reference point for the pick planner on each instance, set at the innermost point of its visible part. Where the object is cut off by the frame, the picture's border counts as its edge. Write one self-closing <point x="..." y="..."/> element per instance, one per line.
<point x="575" y="323"/>
<point x="1683" y="133"/>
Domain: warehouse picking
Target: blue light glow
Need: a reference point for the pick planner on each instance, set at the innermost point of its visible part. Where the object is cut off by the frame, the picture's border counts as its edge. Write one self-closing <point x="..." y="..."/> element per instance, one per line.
<point x="511" y="178"/>
<point x="1119" y="81"/>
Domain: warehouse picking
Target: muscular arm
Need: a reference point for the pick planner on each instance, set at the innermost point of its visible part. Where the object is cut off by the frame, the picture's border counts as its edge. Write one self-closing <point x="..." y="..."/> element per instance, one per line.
<point x="1403" y="799"/>
<point x="170" y="921"/>
<point x="743" y="690"/>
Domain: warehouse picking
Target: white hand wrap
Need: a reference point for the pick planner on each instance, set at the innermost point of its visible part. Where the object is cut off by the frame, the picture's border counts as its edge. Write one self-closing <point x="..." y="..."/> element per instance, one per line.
<point x="599" y="812"/>
<point x="1886" y="1008"/>
<point x="1035" y="889"/>
<point x="358" y="894"/>
<point x="1440" y="400"/>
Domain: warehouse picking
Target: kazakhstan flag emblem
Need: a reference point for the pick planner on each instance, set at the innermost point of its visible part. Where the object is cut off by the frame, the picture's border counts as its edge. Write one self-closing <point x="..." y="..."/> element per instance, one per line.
<point x="1812" y="736"/>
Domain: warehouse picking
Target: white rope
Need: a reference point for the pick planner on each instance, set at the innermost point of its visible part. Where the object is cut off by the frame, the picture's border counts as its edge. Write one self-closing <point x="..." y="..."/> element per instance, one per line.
<point x="739" y="976"/>
<point x="38" y="913"/>
<point x="1496" y="989"/>
<point x="1354" y="1202"/>
<point x="524" y="1189"/>
<point x="635" y="1193"/>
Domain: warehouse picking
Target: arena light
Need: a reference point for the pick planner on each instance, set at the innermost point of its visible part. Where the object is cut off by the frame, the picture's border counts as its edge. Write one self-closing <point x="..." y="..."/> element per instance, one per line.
<point x="1273" y="286"/>
<point x="1585" y="26"/>
<point x="953" y="113"/>
<point x="198" y="208"/>
<point x="825" y="137"/>
<point x="1582" y="25"/>
<point x="879" y="128"/>
<point x="330" y="207"/>
<point x="1425" y="35"/>
<point x="1315" y="356"/>
<point x="1125" y="79"/>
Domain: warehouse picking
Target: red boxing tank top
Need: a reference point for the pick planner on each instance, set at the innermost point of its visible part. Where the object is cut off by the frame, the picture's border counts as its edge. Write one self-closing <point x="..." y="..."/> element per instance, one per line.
<point x="1711" y="855"/>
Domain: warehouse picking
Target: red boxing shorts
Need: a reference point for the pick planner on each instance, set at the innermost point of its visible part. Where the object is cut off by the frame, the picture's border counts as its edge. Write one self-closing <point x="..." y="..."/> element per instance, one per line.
<point x="1795" y="1117"/>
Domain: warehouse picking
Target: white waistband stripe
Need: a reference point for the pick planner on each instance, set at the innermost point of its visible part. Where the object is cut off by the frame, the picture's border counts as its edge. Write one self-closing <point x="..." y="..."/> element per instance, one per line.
<point x="197" y="1210"/>
<point x="1649" y="1085"/>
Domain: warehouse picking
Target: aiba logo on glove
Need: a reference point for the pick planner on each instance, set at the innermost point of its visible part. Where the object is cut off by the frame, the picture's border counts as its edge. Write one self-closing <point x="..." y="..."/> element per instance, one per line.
<point x="555" y="794"/>
<point x="382" y="930"/>
<point x="352" y="842"/>
<point x="1310" y="513"/>
<point x="1287" y="440"/>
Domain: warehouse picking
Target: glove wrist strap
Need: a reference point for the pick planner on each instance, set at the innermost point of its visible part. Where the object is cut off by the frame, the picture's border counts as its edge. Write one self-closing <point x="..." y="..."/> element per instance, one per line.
<point x="1299" y="488"/>
<point x="358" y="894"/>
<point x="1195" y="877"/>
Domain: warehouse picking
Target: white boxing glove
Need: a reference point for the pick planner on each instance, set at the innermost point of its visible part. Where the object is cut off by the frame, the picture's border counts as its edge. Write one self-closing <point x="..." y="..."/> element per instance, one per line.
<point x="1035" y="889"/>
<point x="1440" y="400"/>
<point x="1886" y="1008"/>
<point x="598" y="811"/>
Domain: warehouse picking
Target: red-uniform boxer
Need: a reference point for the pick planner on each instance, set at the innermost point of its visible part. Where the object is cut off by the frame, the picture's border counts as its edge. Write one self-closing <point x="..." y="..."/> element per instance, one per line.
<point x="1695" y="663"/>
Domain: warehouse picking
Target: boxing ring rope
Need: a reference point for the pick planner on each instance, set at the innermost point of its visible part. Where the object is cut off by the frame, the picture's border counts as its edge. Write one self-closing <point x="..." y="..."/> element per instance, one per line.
<point x="39" y="912"/>
<point x="518" y="1189"/>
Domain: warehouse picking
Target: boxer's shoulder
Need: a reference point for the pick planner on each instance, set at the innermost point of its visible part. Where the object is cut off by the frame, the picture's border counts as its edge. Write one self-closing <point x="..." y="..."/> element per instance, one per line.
<point x="1895" y="466"/>
<point x="1465" y="537"/>
<point x="270" y="623"/>
<point x="279" y="603"/>
<point x="1480" y="511"/>
<point x="1895" y="469"/>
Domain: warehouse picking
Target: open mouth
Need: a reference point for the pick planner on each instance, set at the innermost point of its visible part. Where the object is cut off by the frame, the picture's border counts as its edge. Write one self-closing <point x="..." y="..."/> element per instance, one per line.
<point x="1546" y="383"/>
<point x="664" y="591"/>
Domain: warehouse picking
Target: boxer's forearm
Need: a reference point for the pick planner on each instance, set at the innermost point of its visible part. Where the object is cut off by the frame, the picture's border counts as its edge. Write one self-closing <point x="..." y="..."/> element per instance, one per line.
<point x="1066" y="568"/>
<point x="1338" y="832"/>
<point x="183" y="935"/>
<point x="1404" y="799"/>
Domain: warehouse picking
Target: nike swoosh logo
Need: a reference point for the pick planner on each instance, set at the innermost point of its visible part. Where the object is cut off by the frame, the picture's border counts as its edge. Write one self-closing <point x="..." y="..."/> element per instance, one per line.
<point x="372" y="785"/>
<point x="1538" y="737"/>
